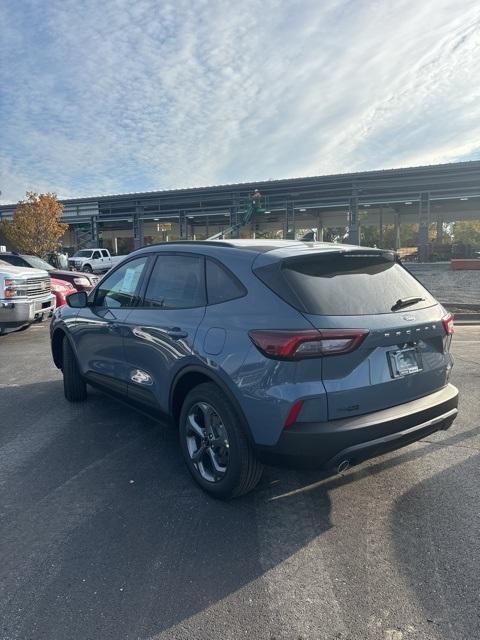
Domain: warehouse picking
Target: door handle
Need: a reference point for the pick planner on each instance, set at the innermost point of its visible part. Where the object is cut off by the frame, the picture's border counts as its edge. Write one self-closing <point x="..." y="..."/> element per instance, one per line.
<point x="176" y="333"/>
<point x="113" y="327"/>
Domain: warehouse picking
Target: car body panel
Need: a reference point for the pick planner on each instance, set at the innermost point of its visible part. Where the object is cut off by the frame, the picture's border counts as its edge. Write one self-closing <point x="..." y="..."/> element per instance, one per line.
<point x="61" y="288"/>
<point x="361" y="381"/>
<point x="74" y="277"/>
<point x="157" y="343"/>
<point x="97" y="336"/>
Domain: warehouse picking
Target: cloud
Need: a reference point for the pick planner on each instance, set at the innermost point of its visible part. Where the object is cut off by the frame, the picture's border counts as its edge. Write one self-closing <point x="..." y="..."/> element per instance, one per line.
<point x="120" y="96"/>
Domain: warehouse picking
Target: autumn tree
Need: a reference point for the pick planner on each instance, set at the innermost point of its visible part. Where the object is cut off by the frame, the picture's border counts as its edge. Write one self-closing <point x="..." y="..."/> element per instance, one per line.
<point x="36" y="226"/>
<point x="467" y="232"/>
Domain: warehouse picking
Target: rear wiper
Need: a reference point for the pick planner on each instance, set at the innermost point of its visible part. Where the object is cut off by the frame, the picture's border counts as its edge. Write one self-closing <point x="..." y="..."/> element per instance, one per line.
<point x="406" y="302"/>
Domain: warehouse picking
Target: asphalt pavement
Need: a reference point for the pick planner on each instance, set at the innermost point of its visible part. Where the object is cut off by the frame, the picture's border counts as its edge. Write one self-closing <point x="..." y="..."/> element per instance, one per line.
<point x="103" y="535"/>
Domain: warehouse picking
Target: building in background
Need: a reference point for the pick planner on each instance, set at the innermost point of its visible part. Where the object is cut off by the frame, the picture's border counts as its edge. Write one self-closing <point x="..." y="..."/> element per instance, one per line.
<point x="412" y="209"/>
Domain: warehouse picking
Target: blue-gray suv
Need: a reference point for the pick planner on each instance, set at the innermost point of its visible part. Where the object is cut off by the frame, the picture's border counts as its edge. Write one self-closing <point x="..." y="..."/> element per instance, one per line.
<point x="309" y="353"/>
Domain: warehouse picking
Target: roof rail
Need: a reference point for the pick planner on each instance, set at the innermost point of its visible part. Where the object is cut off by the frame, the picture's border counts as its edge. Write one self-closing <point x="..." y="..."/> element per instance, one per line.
<point x="214" y="243"/>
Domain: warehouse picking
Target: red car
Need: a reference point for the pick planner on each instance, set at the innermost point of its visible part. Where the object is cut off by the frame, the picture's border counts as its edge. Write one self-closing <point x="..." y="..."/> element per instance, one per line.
<point x="61" y="288"/>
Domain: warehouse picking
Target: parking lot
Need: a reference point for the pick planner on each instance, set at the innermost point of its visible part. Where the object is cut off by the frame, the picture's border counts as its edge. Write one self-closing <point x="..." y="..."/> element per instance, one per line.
<point x="105" y="536"/>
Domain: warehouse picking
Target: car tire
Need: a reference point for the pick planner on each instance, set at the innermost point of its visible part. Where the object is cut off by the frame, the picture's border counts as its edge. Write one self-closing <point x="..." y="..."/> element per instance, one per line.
<point x="87" y="269"/>
<point x="240" y="469"/>
<point x="74" y="386"/>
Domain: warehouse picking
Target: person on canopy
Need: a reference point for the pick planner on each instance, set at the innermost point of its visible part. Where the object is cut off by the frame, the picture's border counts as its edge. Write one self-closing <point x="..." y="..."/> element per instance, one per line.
<point x="256" y="200"/>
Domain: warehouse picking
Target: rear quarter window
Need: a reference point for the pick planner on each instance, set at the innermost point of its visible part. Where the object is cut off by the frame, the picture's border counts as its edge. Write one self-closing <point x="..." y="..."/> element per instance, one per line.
<point x="343" y="283"/>
<point x="222" y="285"/>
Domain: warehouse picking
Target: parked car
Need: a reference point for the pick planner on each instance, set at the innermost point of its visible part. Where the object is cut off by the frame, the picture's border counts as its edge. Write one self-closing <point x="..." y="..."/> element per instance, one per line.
<point x="25" y="297"/>
<point x="94" y="260"/>
<point x="314" y="354"/>
<point x="61" y="288"/>
<point x="81" y="281"/>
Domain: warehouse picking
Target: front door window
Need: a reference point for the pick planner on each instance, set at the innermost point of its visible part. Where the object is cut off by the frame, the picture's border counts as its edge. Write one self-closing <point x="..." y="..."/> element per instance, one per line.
<point x="120" y="289"/>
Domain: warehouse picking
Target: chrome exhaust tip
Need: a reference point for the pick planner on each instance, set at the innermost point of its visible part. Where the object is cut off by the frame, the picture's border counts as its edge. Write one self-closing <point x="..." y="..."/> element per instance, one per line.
<point x="343" y="466"/>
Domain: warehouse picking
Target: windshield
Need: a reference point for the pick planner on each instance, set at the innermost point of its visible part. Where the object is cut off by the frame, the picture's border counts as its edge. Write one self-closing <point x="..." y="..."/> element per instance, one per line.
<point x="82" y="254"/>
<point x="38" y="263"/>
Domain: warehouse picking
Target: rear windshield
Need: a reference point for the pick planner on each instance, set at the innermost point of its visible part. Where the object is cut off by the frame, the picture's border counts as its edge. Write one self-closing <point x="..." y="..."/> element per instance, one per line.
<point x="344" y="284"/>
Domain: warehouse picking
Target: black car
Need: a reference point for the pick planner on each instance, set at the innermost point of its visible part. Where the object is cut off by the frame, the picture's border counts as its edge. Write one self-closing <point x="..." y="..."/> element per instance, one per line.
<point x="81" y="281"/>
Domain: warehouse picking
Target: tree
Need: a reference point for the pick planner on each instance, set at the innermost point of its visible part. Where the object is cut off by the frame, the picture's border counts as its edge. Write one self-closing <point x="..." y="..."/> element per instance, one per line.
<point x="370" y="235"/>
<point x="467" y="232"/>
<point x="36" y="226"/>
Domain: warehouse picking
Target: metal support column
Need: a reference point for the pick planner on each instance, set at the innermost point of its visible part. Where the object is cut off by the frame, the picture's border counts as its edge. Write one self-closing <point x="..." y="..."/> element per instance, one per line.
<point x="94" y="230"/>
<point x="182" y="223"/>
<point x="138" y="227"/>
<point x="290" y="220"/>
<point x="439" y="238"/>
<point x="233" y="221"/>
<point x="353" y="223"/>
<point x="396" y="228"/>
<point x="380" y="238"/>
<point x="235" y="216"/>
<point x="320" y="229"/>
<point x="424" y="221"/>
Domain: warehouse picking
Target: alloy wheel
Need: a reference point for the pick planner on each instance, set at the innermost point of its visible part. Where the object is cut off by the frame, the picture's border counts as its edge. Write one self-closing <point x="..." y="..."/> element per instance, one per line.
<point x="207" y="442"/>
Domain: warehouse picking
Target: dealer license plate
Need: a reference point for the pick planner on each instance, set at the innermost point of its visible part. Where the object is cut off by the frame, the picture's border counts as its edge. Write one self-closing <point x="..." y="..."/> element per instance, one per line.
<point x="404" y="362"/>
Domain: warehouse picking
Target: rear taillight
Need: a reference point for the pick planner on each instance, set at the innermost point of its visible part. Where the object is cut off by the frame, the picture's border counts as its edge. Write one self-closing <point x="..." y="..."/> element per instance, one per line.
<point x="448" y="324"/>
<point x="296" y="345"/>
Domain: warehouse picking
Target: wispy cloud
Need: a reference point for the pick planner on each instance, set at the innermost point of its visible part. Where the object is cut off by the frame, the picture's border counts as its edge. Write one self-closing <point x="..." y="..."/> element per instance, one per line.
<point x="123" y="96"/>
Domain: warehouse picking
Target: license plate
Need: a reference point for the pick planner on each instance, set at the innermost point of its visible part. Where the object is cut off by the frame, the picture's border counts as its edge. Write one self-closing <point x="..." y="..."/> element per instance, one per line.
<point x="404" y="362"/>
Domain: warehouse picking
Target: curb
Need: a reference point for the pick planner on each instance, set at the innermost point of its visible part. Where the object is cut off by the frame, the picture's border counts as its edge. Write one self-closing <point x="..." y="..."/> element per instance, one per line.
<point x="466" y="321"/>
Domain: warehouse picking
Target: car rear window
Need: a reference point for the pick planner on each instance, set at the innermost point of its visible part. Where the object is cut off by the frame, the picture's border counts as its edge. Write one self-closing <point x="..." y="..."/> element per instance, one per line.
<point x="349" y="283"/>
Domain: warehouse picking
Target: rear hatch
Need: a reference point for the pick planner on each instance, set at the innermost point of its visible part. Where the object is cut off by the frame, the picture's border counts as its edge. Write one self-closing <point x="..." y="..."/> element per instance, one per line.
<point x="402" y="350"/>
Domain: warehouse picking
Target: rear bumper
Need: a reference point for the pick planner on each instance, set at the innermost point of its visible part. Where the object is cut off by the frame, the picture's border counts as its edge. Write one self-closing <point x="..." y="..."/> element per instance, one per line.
<point x="327" y="444"/>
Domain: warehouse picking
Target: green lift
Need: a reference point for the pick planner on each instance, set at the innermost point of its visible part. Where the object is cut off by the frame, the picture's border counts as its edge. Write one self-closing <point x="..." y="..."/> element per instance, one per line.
<point x="249" y="211"/>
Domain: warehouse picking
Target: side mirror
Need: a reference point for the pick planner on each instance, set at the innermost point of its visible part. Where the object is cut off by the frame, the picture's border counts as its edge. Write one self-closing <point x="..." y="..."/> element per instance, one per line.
<point x="77" y="300"/>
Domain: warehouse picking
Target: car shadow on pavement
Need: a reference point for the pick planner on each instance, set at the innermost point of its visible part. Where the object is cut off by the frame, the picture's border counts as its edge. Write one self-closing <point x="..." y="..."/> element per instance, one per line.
<point x="104" y="534"/>
<point x="436" y="532"/>
<point x="103" y="525"/>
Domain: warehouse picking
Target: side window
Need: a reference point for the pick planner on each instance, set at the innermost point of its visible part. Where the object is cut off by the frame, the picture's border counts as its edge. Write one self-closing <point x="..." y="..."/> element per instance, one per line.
<point x="104" y="253"/>
<point x="177" y="282"/>
<point x="121" y="288"/>
<point x="221" y="284"/>
<point x="96" y="255"/>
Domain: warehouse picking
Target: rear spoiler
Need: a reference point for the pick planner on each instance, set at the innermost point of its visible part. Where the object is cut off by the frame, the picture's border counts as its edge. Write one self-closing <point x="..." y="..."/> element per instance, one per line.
<point x="361" y="252"/>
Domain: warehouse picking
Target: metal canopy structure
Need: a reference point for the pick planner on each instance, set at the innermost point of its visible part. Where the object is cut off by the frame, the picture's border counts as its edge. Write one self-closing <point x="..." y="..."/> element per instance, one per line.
<point x="423" y="195"/>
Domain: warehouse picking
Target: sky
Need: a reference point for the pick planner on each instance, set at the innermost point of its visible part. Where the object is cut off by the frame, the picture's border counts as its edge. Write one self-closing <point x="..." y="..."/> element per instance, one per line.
<point x="123" y="95"/>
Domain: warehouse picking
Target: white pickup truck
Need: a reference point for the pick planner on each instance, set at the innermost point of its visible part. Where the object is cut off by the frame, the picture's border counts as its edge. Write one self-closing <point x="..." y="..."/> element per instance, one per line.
<point x="25" y="297"/>
<point x="93" y="260"/>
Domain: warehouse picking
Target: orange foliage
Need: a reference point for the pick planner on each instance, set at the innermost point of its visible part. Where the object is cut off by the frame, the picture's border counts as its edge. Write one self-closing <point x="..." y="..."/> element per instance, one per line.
<point x="36" y="227"/>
